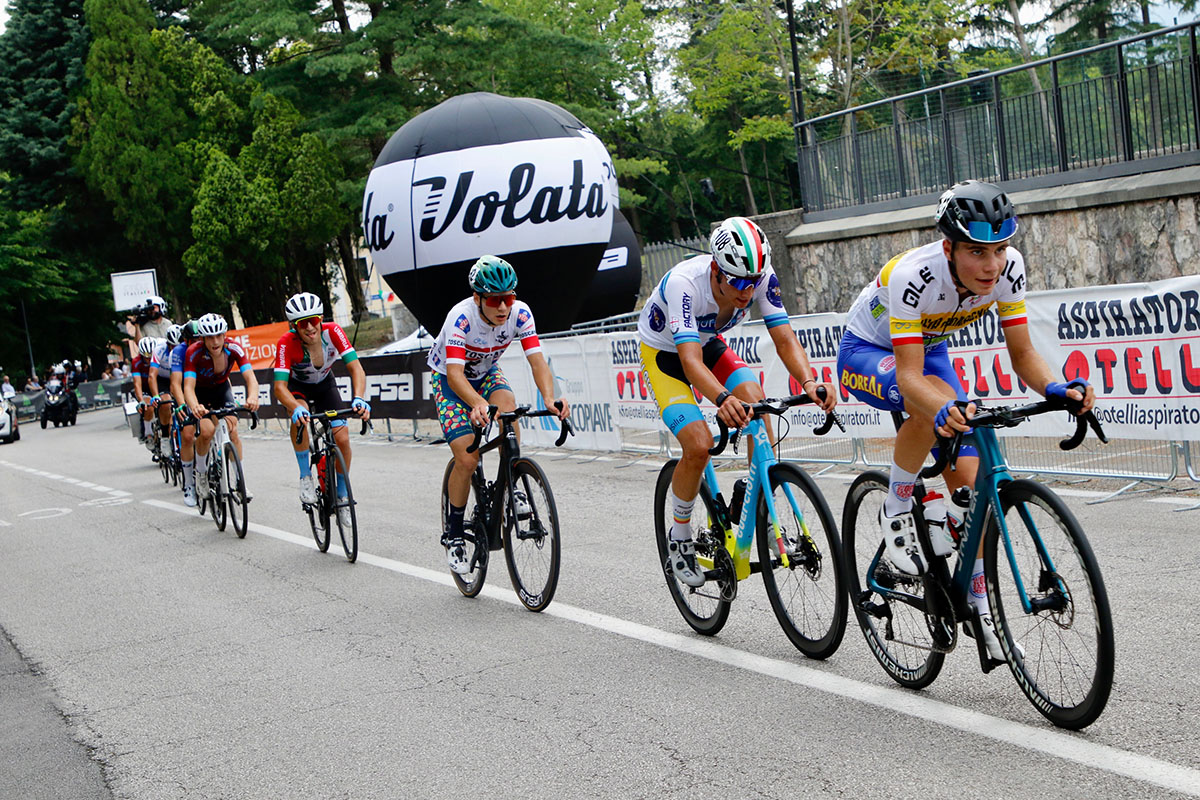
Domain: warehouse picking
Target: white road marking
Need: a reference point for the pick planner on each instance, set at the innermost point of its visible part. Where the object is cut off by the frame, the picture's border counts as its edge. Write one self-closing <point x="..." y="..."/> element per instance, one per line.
<point x="1045" y="741"/>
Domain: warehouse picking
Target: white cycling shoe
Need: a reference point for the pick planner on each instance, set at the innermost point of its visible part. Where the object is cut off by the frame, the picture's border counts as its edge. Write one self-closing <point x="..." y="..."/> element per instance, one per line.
<point x="189" y="497"/>
<point x="991" y="639"/>
<point x="308" y="491"/>
<point x="343" y="516"/>
<point x="456" y="556"/>
<point x="900" y="542"/>
<point x="682" y="555"/>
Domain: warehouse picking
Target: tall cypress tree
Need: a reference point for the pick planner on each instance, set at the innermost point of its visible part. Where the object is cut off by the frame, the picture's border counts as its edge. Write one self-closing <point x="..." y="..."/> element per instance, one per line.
<point x="41" y="71"/>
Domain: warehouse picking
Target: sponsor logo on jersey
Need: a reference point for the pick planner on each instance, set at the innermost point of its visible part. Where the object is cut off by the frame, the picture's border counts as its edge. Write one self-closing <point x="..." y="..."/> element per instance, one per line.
<point x="774" y="292"/>
<point x="878" y="309"/>
<point x="887" y="363"/>
<point x="522" y="317"/>
<point x="462" y="324"/>
<point x="658" y="319"/>
<point x="686" y="309"/>
<point x="894" y="395"/>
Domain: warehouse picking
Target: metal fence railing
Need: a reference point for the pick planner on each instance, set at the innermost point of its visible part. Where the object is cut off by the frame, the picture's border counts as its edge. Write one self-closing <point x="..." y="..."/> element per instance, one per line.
<point x="1127" y="102"/>
<point x="659" y="257"/>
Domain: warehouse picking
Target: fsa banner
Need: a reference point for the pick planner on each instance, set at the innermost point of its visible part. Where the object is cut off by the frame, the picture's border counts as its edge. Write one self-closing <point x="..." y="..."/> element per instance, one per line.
<point x="1137" y="343"/>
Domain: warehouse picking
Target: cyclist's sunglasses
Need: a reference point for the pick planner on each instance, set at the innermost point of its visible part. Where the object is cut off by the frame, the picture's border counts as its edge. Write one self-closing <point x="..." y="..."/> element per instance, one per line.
<point x="983" y="232"/>
<point x="497" y="300"/>
<point x="742" y="284"/>
<point x="304" y="322"/>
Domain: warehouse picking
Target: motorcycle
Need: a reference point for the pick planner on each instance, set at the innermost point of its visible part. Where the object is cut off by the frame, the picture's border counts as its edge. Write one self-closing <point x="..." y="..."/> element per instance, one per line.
<point x="59" y="405"/>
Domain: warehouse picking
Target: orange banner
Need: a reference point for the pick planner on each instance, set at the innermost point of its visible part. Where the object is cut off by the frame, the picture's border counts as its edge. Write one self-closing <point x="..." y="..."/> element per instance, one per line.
<point x="259" y="342"/>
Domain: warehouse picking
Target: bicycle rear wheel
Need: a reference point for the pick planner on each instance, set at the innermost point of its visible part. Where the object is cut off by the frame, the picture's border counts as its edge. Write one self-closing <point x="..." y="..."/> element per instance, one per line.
<point x="808" y="596"/>
<point x="216" y="484"/>
<point x="894" y="625"/>
<point x="163" y="449"/>
<point x="703" y="608"/>
<point x="349" y="533"/>
<point x="470" y="583"/>
<point x="236" y="490"/>
<point x="1066" y="668"/>
<point x="531" y="541"/>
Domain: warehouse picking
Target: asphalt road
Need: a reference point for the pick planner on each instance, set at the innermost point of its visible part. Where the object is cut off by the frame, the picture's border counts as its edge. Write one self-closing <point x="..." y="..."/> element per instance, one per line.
<point x="156" y="657"/>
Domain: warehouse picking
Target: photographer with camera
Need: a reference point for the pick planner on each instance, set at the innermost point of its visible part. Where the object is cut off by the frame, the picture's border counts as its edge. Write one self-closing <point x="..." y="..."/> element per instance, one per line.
<point x="152" y="318"/>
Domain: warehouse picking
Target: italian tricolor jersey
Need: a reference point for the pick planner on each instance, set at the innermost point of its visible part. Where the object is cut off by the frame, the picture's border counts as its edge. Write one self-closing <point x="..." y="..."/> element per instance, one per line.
<point x="914" y="300"/>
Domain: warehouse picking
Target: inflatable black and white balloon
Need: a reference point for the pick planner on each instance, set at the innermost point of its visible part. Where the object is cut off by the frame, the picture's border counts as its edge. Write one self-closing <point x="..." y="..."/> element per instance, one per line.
<point x="482" y="173"/>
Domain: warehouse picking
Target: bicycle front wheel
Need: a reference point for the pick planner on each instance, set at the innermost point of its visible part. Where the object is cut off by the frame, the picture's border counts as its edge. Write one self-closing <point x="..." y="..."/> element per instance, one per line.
<point x="349" y="533"/>
<point x="892" y="621"/>
<point x="236" y="490"/>
<point x="216" y="483"/>
<point x="807" y="595"/>
<point x="531" y="541"/>
<point x="1060" y="648"/>
<point x="470" y="583"/>
<point x="703" y="608"/>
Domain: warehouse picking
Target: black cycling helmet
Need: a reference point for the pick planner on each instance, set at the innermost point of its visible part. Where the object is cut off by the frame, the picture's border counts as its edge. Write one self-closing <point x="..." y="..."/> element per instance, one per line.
<point x="975" y="211"/>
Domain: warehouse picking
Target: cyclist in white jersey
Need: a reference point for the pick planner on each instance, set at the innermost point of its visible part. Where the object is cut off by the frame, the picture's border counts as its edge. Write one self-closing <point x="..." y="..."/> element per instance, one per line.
<point x="894" y="355"/>
<point x="467" y="378"/>
<point x="183" y="415"/>
<point x="304" y="359"/>
<point x="681" y="346"/>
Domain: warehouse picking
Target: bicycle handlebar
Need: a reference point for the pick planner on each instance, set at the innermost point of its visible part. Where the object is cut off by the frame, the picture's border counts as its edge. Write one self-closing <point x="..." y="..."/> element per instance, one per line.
<point x="225" y="411"/>
<point x="1010" y="417"/>
<point x="779" y="408"/>
<point x="330" y="416"/>
<point x="508" y="417"/>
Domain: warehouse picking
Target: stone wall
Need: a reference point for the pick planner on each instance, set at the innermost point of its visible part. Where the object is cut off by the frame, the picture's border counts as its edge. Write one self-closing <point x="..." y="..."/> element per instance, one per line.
<point x="1122" y="230"/>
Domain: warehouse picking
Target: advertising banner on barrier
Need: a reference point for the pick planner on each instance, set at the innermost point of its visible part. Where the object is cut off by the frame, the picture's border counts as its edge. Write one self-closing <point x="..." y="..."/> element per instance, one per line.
<point x="398" y="387"/>
<point x="592" y="410"/>
<point x="1138" y="344"/>
<point x="259" y="342"/>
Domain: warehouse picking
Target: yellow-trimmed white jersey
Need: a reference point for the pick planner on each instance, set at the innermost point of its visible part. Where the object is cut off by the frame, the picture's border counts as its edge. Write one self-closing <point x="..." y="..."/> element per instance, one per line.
<point x="914" y="300"/>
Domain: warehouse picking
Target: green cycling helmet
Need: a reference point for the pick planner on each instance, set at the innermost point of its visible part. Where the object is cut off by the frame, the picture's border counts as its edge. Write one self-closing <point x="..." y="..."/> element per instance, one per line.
<point x="492" y="275"/>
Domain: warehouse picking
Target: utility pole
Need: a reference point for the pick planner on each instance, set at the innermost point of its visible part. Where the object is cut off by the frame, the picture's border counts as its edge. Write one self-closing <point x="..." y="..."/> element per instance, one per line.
<point x="28" y="341"/>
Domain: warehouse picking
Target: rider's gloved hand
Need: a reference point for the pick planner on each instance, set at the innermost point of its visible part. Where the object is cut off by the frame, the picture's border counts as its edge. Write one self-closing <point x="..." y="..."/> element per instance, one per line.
<point x="155" y="402"/>
<point x="358" y="404"/>
<point x="1059" y="390"/>
<point x="947" y="422"/>
<point x="299" y="415"/>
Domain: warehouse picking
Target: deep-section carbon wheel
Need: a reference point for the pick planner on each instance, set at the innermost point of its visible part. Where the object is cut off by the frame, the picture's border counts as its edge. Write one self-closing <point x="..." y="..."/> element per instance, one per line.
<point x="471" y="583"/>
<point x="531" y="541"/>
<point x="807" y="595"/>
<point x="702" y="608"/>
<point x="1059" y="647"/>
<point x="893" y="623"/>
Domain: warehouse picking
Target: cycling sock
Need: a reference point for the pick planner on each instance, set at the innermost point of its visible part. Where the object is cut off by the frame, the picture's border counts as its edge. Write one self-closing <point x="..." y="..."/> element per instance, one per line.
<point x="900" y="489"/>
<point x="979" y="589"/>
<point x="681" y="531"/>
<point x="455" y="520"/>
<point x="147" y="427"/>
<point x="189" y="474"/>
<point x="302" y="460"/>
<point x="341" y="486"/>
<point x="202" y="463"/>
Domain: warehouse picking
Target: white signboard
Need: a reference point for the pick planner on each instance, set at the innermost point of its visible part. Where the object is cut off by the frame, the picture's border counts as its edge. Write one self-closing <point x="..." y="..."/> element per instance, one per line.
<point x="130" y="289"/>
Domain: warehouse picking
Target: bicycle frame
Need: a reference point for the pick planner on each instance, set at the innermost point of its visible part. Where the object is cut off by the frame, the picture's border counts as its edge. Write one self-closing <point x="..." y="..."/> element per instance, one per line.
<point x="488" y="494"/>
<point x="985" y="503"/>
<point x="739" y="544"/>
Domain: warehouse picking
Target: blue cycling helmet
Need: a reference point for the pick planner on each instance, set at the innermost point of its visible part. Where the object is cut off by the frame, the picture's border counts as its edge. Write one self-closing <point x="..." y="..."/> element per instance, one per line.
<point x="492" y="275"/>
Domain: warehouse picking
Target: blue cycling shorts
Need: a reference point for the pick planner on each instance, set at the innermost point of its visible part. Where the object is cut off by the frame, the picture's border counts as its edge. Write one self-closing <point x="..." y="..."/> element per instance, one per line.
<point x="868" y="372"/>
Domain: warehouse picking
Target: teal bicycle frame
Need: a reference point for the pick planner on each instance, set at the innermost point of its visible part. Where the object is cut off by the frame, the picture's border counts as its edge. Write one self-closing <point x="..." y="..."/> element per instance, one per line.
<point x="738" y="543"/>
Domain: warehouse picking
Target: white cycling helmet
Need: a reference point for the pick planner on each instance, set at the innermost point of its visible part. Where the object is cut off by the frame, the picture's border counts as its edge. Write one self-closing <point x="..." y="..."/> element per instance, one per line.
<point x="305" y="304"/>
<point x="174" y="335"/>
<point x="211" y="325"/>
<point x="155" y="300"/>
<point x="740" y="248"/>
<point x="148" y="345"/>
